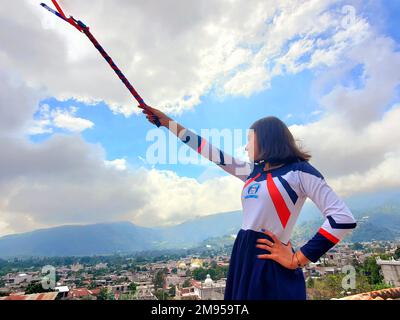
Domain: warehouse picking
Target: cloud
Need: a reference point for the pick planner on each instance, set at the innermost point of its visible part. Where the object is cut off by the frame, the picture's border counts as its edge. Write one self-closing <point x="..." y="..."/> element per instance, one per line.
<point x="185" y="50"/>
<point x="65" y="180"/>
<point x="356" y="141"/>
<point x="58" y="118"/>
<point x="119" y="164"/>
<point x="17" y="102"/>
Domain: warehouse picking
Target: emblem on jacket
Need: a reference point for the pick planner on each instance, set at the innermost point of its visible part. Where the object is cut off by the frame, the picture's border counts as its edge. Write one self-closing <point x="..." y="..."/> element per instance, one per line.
<point x="252" y="191"/>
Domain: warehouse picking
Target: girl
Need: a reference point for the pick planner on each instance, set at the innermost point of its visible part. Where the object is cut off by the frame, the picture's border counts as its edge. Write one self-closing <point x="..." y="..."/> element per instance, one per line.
<point x="263" y="264"/>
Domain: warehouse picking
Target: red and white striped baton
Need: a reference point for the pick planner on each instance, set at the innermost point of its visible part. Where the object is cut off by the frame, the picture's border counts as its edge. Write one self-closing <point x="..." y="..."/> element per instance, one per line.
<point x="85" y="29"/>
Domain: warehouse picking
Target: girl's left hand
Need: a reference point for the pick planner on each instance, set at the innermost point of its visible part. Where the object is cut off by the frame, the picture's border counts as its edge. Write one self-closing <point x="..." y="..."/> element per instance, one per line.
<point x="278" y="251"/>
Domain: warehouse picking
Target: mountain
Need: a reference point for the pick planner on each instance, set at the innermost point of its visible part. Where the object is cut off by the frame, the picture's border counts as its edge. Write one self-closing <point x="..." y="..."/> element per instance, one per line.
<point x="196" y="230"/>
<point x="374" y="223"/>
<point x="381" y="223"/>
<point x="103" y="238"/>
<point x="116" y="237"/>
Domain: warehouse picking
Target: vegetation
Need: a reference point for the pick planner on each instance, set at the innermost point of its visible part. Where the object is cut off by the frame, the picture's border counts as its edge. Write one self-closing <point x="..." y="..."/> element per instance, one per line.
<point x="216" y="272"/>
<point x="159" y="279"/>
<point x="397" y="254"/>
<point x="186" y="283"/>
<point x="35" y="287"/>
<point x="105" y="294"/>
<point x="368" y="278"/>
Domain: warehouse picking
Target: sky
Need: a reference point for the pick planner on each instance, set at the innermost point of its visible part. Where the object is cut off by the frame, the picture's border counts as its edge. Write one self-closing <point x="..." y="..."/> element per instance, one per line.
<point x="75" y="147"/>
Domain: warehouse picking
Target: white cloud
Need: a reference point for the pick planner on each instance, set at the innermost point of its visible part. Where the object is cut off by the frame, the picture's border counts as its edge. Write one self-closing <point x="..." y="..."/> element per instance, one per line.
<point x="65" y="180"/>
<point x="356" y="142"/>
<point x="186" y="48"/>
<point x="66" y="120"/>
<point x="58" y="118"/>
<point x="119" y="164"/>
<point x="355" y="161"/>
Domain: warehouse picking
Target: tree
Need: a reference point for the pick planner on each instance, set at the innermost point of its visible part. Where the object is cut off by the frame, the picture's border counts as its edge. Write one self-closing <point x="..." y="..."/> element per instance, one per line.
<point x="92" y="285"/>
<point x="172" y="291"/>
<point x="159" y="279"/>
<point x="310" y="282"/>
<point x="186" y="283"/>
<point x="200" y="274"/>
<point x="132" y="287"/>
<point x="372" y="270"/>
<point x="397" y="253"/>
<point x="103" y="294"/>
<point x="35" y="287"/>
<point x="213" y="264"/>
<point x="160" y="294"/>
<point x="326" y="288"/>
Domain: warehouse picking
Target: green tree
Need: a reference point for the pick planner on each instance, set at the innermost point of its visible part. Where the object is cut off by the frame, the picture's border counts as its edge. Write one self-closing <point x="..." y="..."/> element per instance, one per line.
<point x="310" y="282"/>
<point x="371" y="270"/>
<point x="132" y="287"/>
<point x="35" y="287"/>
<point x="172" y="291"/>
<point x="103" y="294"/>
<point x="397" y="253"/>
<point x="92" y="285"/>
<point x="199" y="274"/>
<point x="186" y="283"/>
<point x="326" y="288"/>
<point x="213" y="264"/>
<point x="160" y="294"/>
<point x="159" y="279"/>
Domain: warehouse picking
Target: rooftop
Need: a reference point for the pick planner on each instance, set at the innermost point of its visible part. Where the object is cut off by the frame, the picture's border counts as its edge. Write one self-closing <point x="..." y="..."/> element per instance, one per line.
<point x="35" y="296"/>
<point x="385" y="294"/>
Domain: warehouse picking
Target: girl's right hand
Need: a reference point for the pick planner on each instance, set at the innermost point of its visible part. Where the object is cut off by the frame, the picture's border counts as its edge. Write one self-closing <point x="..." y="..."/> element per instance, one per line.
<point x="151" y="113"/>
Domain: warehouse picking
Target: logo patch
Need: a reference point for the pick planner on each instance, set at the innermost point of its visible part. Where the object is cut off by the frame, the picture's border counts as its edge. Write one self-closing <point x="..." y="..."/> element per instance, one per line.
<point x="252" y="191"/>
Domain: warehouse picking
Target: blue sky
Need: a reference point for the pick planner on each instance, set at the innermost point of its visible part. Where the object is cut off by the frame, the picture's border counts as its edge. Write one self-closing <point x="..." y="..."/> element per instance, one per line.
<point x="288" y="98"/>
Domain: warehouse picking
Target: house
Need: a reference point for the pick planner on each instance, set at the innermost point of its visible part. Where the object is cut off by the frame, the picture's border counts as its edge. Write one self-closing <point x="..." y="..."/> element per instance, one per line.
<point x="391" y="271"/>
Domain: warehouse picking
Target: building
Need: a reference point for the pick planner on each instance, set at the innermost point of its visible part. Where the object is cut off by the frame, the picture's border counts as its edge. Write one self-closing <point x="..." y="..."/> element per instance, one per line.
<point x="62" y="291"/>
<point x="390" y="271"/>
<point x="173" y="280"/>
<point x="79" y="293"/>
<point x="186" y="293"/>
<point x="100" y="266"/>
<point x="120" y="288"/>
<point x="196" y="263"/>
<point x="76" y="267"/>
<point x="145" y="293"/>
<point x="210" y="290"/>
<point x="18" y="279"/>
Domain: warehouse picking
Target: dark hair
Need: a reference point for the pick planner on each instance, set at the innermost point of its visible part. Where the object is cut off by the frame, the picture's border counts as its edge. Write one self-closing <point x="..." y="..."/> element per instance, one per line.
<point x="276" y="143"/>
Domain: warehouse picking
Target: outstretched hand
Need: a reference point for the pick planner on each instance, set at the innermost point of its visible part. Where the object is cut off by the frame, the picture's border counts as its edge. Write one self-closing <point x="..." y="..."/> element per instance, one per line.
<point x="152" y="114"/>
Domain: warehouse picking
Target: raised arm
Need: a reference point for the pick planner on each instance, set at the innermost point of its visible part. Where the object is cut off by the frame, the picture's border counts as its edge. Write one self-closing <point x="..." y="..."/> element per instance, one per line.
<point x="233" y="166"/>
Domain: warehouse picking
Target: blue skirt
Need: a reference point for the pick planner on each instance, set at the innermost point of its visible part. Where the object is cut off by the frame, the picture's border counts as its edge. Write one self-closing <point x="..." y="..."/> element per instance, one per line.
<point x="252" y="278"/>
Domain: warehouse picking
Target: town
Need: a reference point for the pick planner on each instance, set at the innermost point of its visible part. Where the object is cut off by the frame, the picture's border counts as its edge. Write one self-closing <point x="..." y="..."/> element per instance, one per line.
<point x="193" y="275"/>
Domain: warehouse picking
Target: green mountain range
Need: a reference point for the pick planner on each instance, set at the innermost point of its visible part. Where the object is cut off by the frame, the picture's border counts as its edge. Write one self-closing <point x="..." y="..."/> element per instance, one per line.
<point x="379" y="223"/>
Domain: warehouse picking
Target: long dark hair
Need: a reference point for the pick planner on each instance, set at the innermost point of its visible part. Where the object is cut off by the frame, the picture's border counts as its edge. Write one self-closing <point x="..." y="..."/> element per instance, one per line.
<point x="275" y="142"/>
